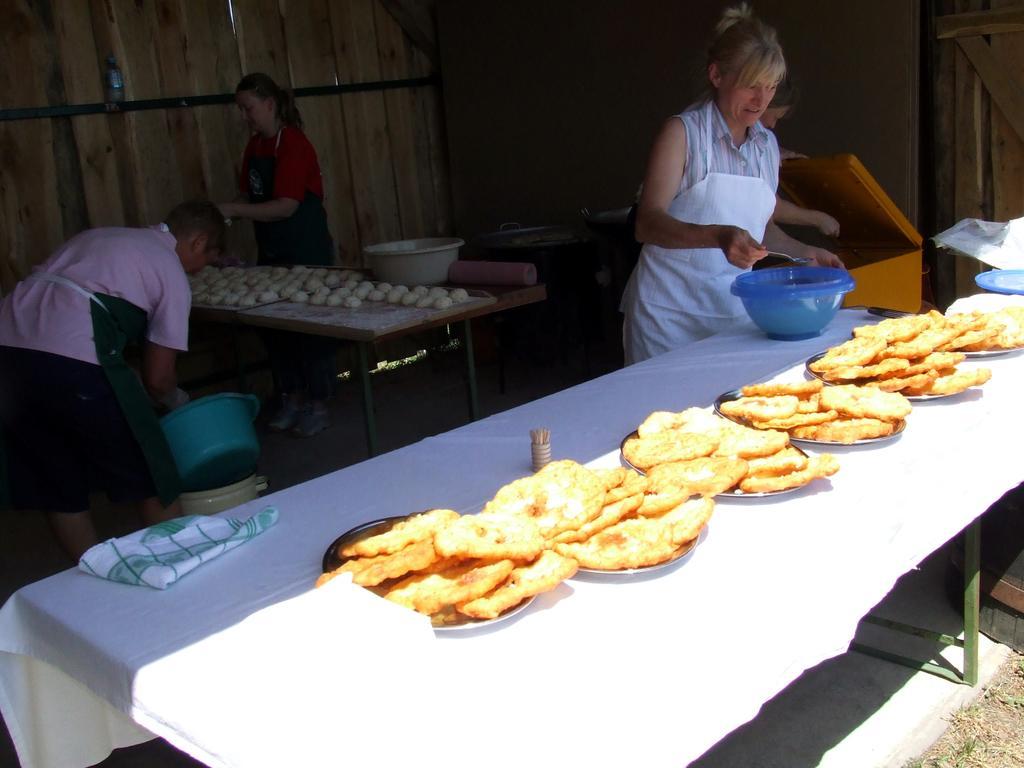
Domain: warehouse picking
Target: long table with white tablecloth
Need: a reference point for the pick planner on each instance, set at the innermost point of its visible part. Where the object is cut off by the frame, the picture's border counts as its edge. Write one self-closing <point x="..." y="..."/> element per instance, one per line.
<point x="243" y="663"/>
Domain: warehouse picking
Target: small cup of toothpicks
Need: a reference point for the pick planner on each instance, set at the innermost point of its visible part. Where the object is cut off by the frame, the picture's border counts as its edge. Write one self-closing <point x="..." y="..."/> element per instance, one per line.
<point x="540" y="448"/>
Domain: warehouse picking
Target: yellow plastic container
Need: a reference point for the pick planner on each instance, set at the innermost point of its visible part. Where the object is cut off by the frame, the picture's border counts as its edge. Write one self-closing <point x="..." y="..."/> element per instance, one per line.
<point x="226" y="497"/>
<point x="877" y="243"/>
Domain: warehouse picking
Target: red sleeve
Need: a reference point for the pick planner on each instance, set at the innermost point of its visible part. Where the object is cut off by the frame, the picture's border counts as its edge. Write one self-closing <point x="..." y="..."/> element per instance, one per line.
<point x="297" y="168"/>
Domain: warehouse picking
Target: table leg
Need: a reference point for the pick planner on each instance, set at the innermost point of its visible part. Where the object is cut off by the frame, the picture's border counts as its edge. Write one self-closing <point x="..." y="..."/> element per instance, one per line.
<point x="467" y="339"/>
<point x="972" y="598"/>
<point x="363" y="361"/>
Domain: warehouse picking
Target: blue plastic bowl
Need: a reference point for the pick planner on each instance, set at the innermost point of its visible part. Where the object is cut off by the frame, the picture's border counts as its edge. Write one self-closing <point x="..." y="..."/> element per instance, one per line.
<point x="213" y="440"/>
<point x="792" y="303"/>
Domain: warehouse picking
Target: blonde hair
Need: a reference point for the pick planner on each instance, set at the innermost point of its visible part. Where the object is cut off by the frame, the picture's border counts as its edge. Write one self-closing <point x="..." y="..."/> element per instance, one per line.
<point x="746" y="46"/>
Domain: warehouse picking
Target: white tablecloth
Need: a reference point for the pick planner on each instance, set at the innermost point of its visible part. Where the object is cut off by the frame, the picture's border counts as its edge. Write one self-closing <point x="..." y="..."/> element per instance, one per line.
<point x="243" y="664"/>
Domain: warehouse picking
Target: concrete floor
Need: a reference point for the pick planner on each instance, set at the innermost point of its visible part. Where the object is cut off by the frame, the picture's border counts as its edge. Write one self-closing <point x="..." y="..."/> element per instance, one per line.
<point x="852" y="710"/>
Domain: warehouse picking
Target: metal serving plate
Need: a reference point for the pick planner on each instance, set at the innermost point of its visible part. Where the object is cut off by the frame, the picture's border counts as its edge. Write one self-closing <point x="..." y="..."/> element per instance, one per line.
<point x="982" y="353"/>
<point x="447" y="620"/>
<point x="735" y="493"/>
<point x="735" y="394"/>
<point x="814" y="358"/>
<point x="678" y="557"/>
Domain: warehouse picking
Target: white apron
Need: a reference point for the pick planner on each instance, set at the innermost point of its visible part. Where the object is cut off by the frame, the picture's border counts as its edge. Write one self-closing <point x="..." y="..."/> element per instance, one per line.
<point x="680" y="295"/>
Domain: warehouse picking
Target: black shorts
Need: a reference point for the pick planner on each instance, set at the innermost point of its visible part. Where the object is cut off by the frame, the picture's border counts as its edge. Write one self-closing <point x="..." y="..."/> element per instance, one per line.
<point x="65" y="434"/>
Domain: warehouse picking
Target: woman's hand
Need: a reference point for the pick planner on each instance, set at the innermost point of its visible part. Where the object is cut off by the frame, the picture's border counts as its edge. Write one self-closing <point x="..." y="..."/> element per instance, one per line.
<point x="740" y="249"/>
<point x="227" y="210"/>
<point x="824" y="258"/>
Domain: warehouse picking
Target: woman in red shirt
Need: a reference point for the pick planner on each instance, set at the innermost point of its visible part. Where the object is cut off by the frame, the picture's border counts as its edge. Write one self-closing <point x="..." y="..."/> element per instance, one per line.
<point x="282" y="193"/>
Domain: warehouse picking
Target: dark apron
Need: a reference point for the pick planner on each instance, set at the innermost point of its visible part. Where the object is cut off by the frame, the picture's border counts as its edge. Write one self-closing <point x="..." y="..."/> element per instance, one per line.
<point x="120" y="324"/>
<point x="302" y="238"/>
<point x="115" y="324"/>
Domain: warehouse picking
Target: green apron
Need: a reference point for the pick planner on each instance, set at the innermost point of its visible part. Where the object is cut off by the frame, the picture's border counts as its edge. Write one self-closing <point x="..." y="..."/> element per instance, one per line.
<point x="115" y="324"/>
<point x="114" y="328"/>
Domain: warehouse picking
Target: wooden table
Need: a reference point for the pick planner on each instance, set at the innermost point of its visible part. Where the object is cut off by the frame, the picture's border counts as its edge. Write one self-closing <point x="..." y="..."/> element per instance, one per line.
<point x="372" y="323"/>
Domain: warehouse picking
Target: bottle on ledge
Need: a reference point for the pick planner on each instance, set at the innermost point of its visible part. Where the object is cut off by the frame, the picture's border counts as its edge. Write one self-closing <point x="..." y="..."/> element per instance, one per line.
<point x="115" y="83"/>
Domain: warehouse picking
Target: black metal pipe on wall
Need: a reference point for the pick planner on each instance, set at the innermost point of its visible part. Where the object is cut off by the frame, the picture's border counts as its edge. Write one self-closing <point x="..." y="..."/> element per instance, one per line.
<point x="176" y="102"/>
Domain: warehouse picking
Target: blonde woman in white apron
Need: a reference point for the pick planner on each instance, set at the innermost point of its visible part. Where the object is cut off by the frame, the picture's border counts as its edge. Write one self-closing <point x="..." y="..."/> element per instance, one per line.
<point x="708" y="198"/>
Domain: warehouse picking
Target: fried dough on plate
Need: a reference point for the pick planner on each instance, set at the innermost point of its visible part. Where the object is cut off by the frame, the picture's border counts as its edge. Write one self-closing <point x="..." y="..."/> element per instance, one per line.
<point x="687" y="520"/>
<point x="895" y="329"/>
<point x="632" y="543"/>
<point x="639" y="542"/>
<point x="549" y="570"/>
<point x="782" y="463"/>
<point x="705" y="476"/>
<point x="936" y="361"/>
<point x="612" y="478"/>
<point x="760" y="408"/>
<point x="864" y="402"/>
<point x="370" y="571"/>
<point x="890" y="367"/>
<point x="610" y="514"/>
<point x="801" y="389"/>
<point x="905" y="384"/>
<point x="635" y="483"/>
<point x="923" y="344"/>
<point x="846" y="431"/>
<point x="859" y="350"/>
<point x="646" y="452"/>
<point x="660" y="421"/>
<point x="748" y="443"/>
<point x="402" y="534"/>
<point x="797" y="420"/>
<point x="429" y="593"/>
<point x="955" y="383"/>
<point x="980" y="337"/>
<point x="561" y="496"/>
<point x="817" y="466"/>
<point x="490" y="536"/>
<point x="658" y="501"/>
<point x="1009" y="325"/>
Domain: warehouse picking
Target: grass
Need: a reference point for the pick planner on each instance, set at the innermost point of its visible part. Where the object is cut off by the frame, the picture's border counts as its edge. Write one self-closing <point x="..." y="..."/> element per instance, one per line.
<point x="988" y="733"/>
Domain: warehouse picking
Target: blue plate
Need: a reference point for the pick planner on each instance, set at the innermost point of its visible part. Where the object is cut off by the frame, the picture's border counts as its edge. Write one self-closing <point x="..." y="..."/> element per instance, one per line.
<point x="1002" y="280"/>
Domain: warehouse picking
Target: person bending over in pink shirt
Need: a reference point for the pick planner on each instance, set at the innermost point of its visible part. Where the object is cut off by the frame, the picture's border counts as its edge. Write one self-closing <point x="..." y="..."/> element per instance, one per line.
<point x="74" y="417"/>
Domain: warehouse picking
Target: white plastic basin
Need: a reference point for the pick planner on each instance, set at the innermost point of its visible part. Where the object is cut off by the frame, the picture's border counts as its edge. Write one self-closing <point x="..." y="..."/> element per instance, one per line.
<point x="226" y="497"/>
<point x="414" y="262"/>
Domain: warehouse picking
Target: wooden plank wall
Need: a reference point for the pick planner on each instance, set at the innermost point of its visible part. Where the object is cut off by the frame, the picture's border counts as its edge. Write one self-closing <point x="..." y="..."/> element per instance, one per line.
<point x="383" y="153"/>
<point x="979" y="150"/>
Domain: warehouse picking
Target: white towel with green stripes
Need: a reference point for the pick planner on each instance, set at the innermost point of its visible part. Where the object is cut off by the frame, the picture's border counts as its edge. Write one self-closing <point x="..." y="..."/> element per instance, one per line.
<point x="160" y="555"/>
